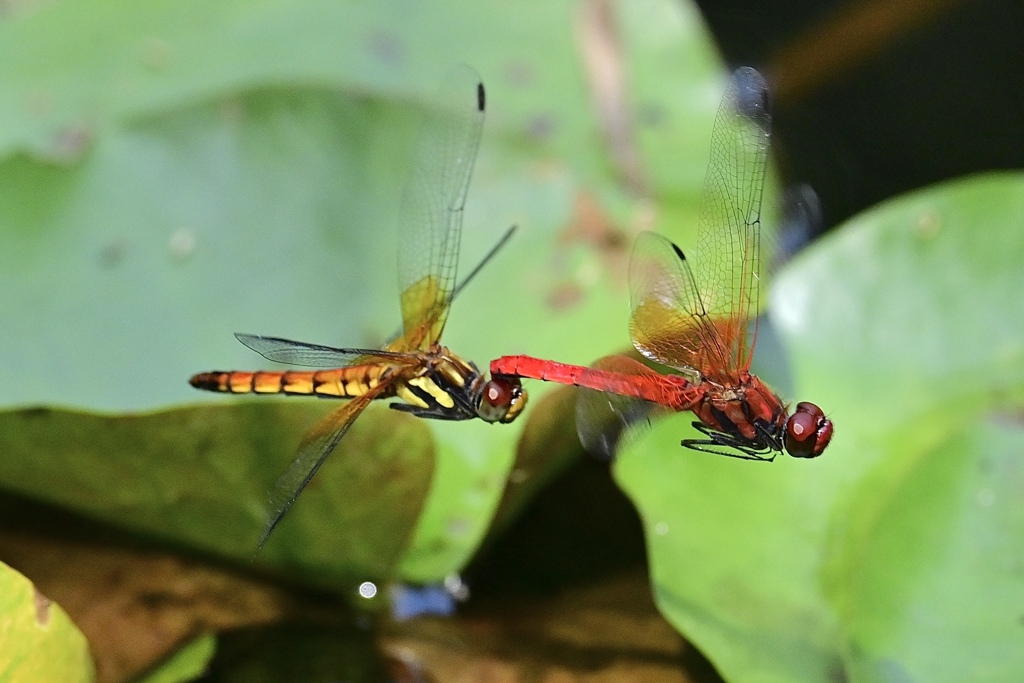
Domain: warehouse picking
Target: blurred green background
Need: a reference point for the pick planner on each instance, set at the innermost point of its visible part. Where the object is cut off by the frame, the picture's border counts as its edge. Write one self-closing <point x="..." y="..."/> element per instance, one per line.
<point x="172" y="173"/>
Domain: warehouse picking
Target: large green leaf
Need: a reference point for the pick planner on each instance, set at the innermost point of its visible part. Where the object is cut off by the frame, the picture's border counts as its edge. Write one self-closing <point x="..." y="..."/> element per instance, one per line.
<point x="894" y="555"/>
<point x="198" y="477"/>
<point x="39" y="641"/>
<point x="919" y="300"/>
<point x="928" y="561"/>
<point x="175" y="173"/>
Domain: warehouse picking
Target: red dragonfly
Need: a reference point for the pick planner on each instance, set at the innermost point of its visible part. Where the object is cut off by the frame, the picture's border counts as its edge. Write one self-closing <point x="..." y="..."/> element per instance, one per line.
<point x="432" y="380"/>
<point x="693" y="315"/>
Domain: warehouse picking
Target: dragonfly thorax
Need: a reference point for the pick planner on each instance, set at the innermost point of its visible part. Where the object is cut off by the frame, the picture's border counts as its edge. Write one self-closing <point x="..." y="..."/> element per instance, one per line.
<point x="750" y="418"/>
<point x="499" y="399"/>
<point x="747" y="409"/>
<point x="448" y="387"/>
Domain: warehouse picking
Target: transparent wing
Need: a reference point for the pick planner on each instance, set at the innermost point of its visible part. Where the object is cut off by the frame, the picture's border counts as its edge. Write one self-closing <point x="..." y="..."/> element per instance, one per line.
<point x="484" y="261"/>
<point x="728" y="237"/>
<point x="800" y="219"/>
<point x="602" y="420"/>
<point x="469" y="278"/>
<point x="715" y="298"/>
<point x="316" y="356"/>
<point x="669" y="323"/>
<point x="432" y="206"/>
<point x="316" y="445"/>
<point x="603" y="417"/>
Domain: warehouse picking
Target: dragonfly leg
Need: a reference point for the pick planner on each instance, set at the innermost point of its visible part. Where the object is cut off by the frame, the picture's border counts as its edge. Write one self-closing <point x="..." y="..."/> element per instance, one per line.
<point x="434" y="412"/>
<point x="741" y="448"/>
<point x="709" y="447"/>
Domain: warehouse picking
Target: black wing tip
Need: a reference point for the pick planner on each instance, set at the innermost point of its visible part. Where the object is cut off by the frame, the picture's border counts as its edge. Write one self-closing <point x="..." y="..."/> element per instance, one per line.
<point x="481" y="96"/>
<point x="678" y="251"/>
<point x="753" y="98"/>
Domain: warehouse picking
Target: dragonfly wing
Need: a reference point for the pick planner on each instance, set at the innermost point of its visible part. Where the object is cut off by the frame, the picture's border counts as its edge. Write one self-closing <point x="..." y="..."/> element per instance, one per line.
<point x="316" y="445"/>
<point x="484" y="261"/>
<point x="466" y="280"/>
<point x="603" y="417"/>
<point x="669" y="323"/>
<point x="432" y="206"/>
<point x="696" y="317"/>
<point x="728" y="269"/>
<point x="800" y="218"/>
<point x="317" y="356"/>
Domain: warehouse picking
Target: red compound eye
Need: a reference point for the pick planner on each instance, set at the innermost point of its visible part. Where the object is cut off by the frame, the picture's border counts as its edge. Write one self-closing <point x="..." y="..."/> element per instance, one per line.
<point x="808" y="431"/>
<point x="498" y="393"/>
<point x="501" y="399"/>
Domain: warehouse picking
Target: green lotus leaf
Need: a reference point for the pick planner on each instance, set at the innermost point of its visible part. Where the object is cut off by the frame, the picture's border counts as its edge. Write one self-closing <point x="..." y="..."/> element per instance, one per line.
<point x="904" y="326"/>
<point x="40" y="643"/>
<point x="171" y="174"/>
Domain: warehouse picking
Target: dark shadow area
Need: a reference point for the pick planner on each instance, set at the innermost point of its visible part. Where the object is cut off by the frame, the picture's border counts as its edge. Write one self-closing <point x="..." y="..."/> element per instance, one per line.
<point x="301" y="652"/>
<point x="874" y="99"/>
<point x="580" y="528"/>
<point x="31" y="530"/>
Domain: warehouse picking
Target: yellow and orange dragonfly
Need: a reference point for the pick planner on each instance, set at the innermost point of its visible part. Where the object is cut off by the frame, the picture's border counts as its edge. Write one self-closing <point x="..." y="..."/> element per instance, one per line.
<point x="432" y="381"/>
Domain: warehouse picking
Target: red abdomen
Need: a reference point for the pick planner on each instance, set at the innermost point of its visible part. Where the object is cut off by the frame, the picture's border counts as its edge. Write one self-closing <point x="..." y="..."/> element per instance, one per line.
<point x="629" y="378"/>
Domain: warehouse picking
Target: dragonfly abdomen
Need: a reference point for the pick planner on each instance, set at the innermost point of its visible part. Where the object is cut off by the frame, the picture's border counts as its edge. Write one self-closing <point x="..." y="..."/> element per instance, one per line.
<point x="669" y="390"/>
<point x="337" y="383"/>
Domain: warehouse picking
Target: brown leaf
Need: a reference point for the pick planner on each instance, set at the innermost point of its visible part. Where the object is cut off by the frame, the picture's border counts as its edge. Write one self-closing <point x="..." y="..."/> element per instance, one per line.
<point x="607" y="632"/>
<point x="136" y="606"/>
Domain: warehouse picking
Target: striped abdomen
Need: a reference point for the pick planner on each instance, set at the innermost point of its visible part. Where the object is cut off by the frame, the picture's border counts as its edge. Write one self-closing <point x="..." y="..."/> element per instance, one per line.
<point x="631" y="378"/>
<point x="337" y="383"/>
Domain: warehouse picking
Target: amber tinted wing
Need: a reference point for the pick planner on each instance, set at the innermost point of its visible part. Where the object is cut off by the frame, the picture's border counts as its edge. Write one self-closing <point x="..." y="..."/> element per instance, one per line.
<point x="395" y="338"/>
<point x="317" y="356"/>
<point x="670" y="323"/>
<point x="431" y="214"/>
<point x="696" y="316"/>
<point x="316" y="445"/>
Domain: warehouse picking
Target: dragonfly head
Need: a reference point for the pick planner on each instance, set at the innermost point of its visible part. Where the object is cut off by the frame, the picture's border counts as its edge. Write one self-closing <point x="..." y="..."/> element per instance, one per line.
<point x="500" y="399"/>
<point x="808" y="431"/>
